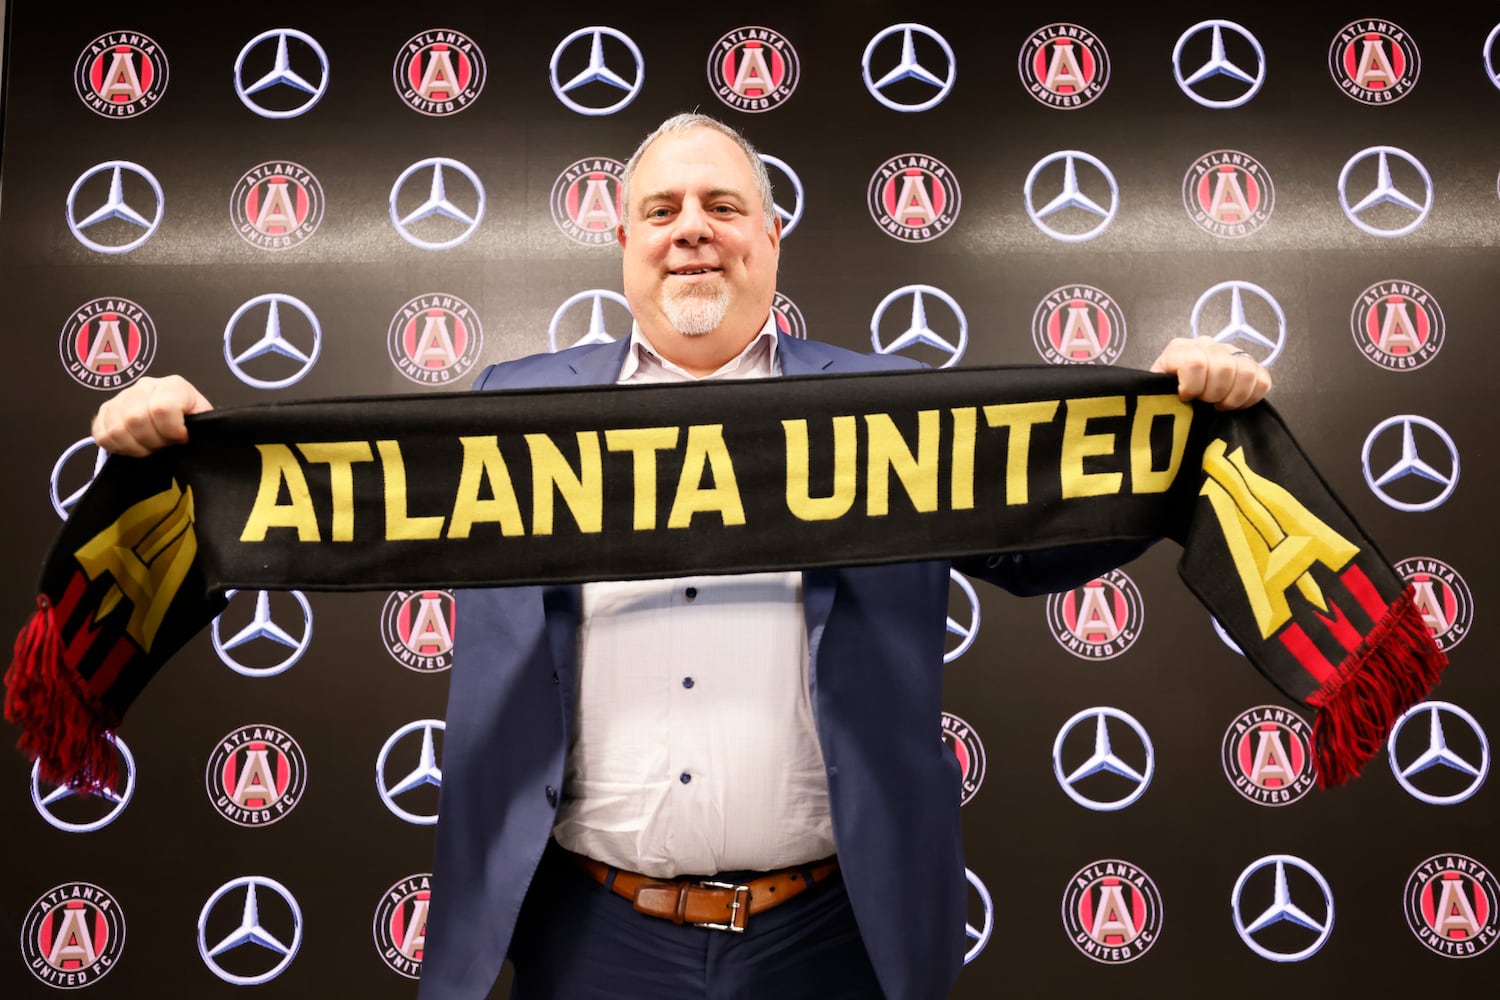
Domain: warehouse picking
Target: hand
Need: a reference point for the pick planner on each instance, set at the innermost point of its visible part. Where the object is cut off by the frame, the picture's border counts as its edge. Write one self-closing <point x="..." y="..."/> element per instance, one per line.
<point x="147" y="416"/>
<point x="1216" y="373"/>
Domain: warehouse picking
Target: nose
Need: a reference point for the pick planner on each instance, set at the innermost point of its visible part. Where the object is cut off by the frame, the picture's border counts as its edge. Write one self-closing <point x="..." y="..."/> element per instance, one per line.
<point x="692" y="225"/>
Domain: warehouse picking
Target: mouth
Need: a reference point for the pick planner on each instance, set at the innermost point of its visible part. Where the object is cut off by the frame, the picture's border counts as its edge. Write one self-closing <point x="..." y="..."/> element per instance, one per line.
<point x="691" y="272"/>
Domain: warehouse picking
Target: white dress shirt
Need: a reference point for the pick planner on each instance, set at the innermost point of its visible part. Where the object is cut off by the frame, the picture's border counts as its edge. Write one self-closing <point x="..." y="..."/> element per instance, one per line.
<point x="694" y="749"/>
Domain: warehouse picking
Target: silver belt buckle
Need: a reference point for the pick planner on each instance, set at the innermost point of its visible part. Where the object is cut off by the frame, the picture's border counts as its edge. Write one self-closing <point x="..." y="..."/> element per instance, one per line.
<point x="741" y="898"/>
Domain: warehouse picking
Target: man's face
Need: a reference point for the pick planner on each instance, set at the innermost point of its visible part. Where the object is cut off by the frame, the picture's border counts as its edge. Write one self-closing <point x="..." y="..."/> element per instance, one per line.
<point x="699" y="261"/>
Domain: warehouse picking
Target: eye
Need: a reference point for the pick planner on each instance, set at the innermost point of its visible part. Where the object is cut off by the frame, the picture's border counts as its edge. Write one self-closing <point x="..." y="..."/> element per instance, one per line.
<point x="660" y="212"/>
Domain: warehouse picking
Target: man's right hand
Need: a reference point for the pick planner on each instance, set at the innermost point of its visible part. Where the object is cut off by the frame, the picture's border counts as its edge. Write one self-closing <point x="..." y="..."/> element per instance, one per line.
<point x="147" y="416"/>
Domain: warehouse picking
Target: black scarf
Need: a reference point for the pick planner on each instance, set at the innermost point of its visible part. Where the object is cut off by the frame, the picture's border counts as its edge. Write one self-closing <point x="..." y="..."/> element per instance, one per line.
<point x="621" y="482"/>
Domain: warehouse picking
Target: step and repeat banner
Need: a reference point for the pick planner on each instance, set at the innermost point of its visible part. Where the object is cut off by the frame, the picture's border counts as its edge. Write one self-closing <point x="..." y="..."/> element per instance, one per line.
<point x="318" y="202"/>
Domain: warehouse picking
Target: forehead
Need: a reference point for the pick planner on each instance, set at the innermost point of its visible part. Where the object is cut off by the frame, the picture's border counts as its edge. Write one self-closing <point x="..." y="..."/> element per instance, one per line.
<point x="697" y="158"/>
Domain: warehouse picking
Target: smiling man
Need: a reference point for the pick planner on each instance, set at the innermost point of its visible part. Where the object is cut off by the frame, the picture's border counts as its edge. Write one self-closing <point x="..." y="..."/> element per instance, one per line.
<point x="721" y="786"/>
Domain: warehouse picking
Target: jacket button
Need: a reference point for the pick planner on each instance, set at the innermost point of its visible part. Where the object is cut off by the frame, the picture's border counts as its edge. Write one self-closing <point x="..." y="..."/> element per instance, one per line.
<point x="554" y="678"/>
<point x="551" y="796"/>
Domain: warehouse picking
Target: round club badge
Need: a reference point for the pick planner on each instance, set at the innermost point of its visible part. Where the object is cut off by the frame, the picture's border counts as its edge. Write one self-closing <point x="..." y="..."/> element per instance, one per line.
<point x="276" y="205"/>
<point x="256" y="775"/>
<point x="914" y="198"/>
<point x="1374" y="61"/>
<point x="1267" y="755"/>
<point x="1228" y="194"/>
<point x="1397" y="325"/>
<point x="120" y="74"/>
<point x="586" y="200"/>
<point x="1112" y="912"/>
<point x="1064" y="66"/>
<point x="1453" y="905"/>
<point x="435" y="339"/>
<point x="1099" y="620"/>
<point x="1442" y="597"/>
<point x="1078" y="324"/>
<point x="401" y="924"/>
<point x="439" y="72"/>
<point x="416" y="627"/>
<point x="73" y="935"/>
<point x="107" y="343"/>
<point x="967" y="747"/>
<point x="753" y="69"/>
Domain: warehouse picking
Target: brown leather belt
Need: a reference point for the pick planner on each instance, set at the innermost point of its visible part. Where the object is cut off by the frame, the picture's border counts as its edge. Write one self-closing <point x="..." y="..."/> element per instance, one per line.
<point x="720" y="906"/>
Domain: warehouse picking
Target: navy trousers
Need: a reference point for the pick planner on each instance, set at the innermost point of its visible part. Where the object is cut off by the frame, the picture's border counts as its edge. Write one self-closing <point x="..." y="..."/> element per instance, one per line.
<point x="578" y="941"/>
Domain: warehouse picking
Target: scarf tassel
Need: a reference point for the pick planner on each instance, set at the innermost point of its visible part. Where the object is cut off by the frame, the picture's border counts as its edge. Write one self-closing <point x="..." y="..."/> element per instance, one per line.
<point x="60" y="727"/>
<point x="1393" y="669"/>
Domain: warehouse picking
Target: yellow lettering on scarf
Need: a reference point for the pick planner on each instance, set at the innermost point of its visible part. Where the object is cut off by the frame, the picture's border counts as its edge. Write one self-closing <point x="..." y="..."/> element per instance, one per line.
<point x="484" y="467"/>
<point x="961" y="484"/>
<point x="340" y="457"/>
<point x="1143" y="478"/>
<point x="1020" y="418"/>
<point x="643" y="443"/>
<point x="1273" y="539"/>
<point x="278" y="467"/>
<point x="147" y="551"/>
<point x="399" y="526"/>
<point x="888" y="452"/>
<point x="799" y="500"/>
<point x="582" y="490"/>
<point x="1078" y="444"/>
<point x="706" y="452"/>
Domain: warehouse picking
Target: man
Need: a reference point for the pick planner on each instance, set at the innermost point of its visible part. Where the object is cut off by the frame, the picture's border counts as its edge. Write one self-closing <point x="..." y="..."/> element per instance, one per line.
<point x="776" y="730"/>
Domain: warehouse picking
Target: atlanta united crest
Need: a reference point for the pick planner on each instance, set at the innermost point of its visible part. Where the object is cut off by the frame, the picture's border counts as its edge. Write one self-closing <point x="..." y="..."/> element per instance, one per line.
<point x="753" y="69"/>
<point x="1112" y="912"/>
<point x="1228" y="194"/>
<point x="435" y="339"/>
<point x="586" y="200"/>
<point x="1451" y="905"/>
<point x="1267" y="755"/>
<point x="914" y="198"/>
<point x="107" y="343"/>
<point x="1442" y="597"/>
<point x="276" y="205"/>
<point x="439" y="72"/>
<point x="73" y="935"/>
<point x="1397" y="325"/>
<point x="1064" y="66"/>
<point x="1099" y="620"/>
<point x="416" y="627"/>
<point x="1374" y="61"/>
<point x="960" y="737"/>
<point x="121" y="74"/>
<point x="1078" y="325"/>
<point x="788" y="317"/>
<point x="256" y="775"/>
<point x="401" y="924"/>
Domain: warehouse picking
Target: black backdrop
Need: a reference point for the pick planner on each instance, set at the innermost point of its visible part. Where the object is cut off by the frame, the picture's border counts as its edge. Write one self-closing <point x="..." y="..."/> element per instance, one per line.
<point x="354" y="866"/>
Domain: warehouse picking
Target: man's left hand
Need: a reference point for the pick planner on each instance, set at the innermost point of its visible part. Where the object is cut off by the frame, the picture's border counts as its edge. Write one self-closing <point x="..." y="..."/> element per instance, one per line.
<point x="1216" y="373"/>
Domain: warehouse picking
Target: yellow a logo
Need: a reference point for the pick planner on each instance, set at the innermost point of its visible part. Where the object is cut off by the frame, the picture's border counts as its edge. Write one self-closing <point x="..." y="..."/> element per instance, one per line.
<point x="1273" y="539"/>
<point x="147" y="552"/>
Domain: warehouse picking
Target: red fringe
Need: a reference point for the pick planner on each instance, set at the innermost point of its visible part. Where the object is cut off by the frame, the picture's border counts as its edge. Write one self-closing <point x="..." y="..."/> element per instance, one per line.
<point x="60" y="727"/>
<point x="1394" y="668"/>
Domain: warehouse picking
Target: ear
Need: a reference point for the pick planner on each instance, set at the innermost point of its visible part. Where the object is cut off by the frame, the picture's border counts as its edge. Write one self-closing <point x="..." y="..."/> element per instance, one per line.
<point x="620" y="235"/>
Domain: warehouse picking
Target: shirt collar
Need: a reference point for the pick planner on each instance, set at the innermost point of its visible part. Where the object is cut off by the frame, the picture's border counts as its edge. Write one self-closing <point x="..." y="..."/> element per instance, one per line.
<point x="641" y="350"/>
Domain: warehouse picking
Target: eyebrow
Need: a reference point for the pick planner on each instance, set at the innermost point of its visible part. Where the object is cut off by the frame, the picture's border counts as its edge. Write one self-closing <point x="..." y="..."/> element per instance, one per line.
<point x="711" y="194"/>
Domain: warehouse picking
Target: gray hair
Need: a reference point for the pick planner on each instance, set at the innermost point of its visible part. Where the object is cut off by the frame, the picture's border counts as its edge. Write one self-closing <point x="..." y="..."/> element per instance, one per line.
<point x="685" y="122"/>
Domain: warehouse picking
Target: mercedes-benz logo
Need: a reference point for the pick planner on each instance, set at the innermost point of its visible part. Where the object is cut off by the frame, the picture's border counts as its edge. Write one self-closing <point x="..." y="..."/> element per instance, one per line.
<point x="949" y="348"/>
<point x="1489" y="56"/>
<point x="1218" y="81"/>
<point x="1465" y="759"/>
<point x="1102" y="759"/>
<point x="929" y="86"/>
<point x="1410" y="468"/>
<point x="250" y="929"/>
<point x="978" y="937"/>
<point x="597" y="331"/>
<point x="597" y="76"/>
<point x="1406" y="212"/>
<point x="269" y="647"/>
<point x="789" y="217"/>
<point x="1072" y="197"/>
<point x="271" y="341"/>
<point x="124" y="227"/>
<point x="289" y="85"/>
<point x="467" y="212"/>
<point x="966" y="633"/>
<point x="1312" y="916"/>
<point x="425" y="772"/>
<point x="1246" y="331"/>
<point x="50" y="803"/>
<point x="63" y="502"/>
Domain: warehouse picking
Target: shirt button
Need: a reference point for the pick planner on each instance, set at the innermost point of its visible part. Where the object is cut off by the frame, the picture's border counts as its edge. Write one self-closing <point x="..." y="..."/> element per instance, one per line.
<point x="691" y="593"/>
<point x="554" y="678"/>
<point x="551" y="796"/>
<point x="687" y="682"/>
<point x="685" y="777"/>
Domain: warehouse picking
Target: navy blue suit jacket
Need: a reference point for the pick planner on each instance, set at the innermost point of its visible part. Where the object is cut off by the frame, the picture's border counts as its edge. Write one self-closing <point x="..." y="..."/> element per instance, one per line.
<point x="876" y="638"/>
